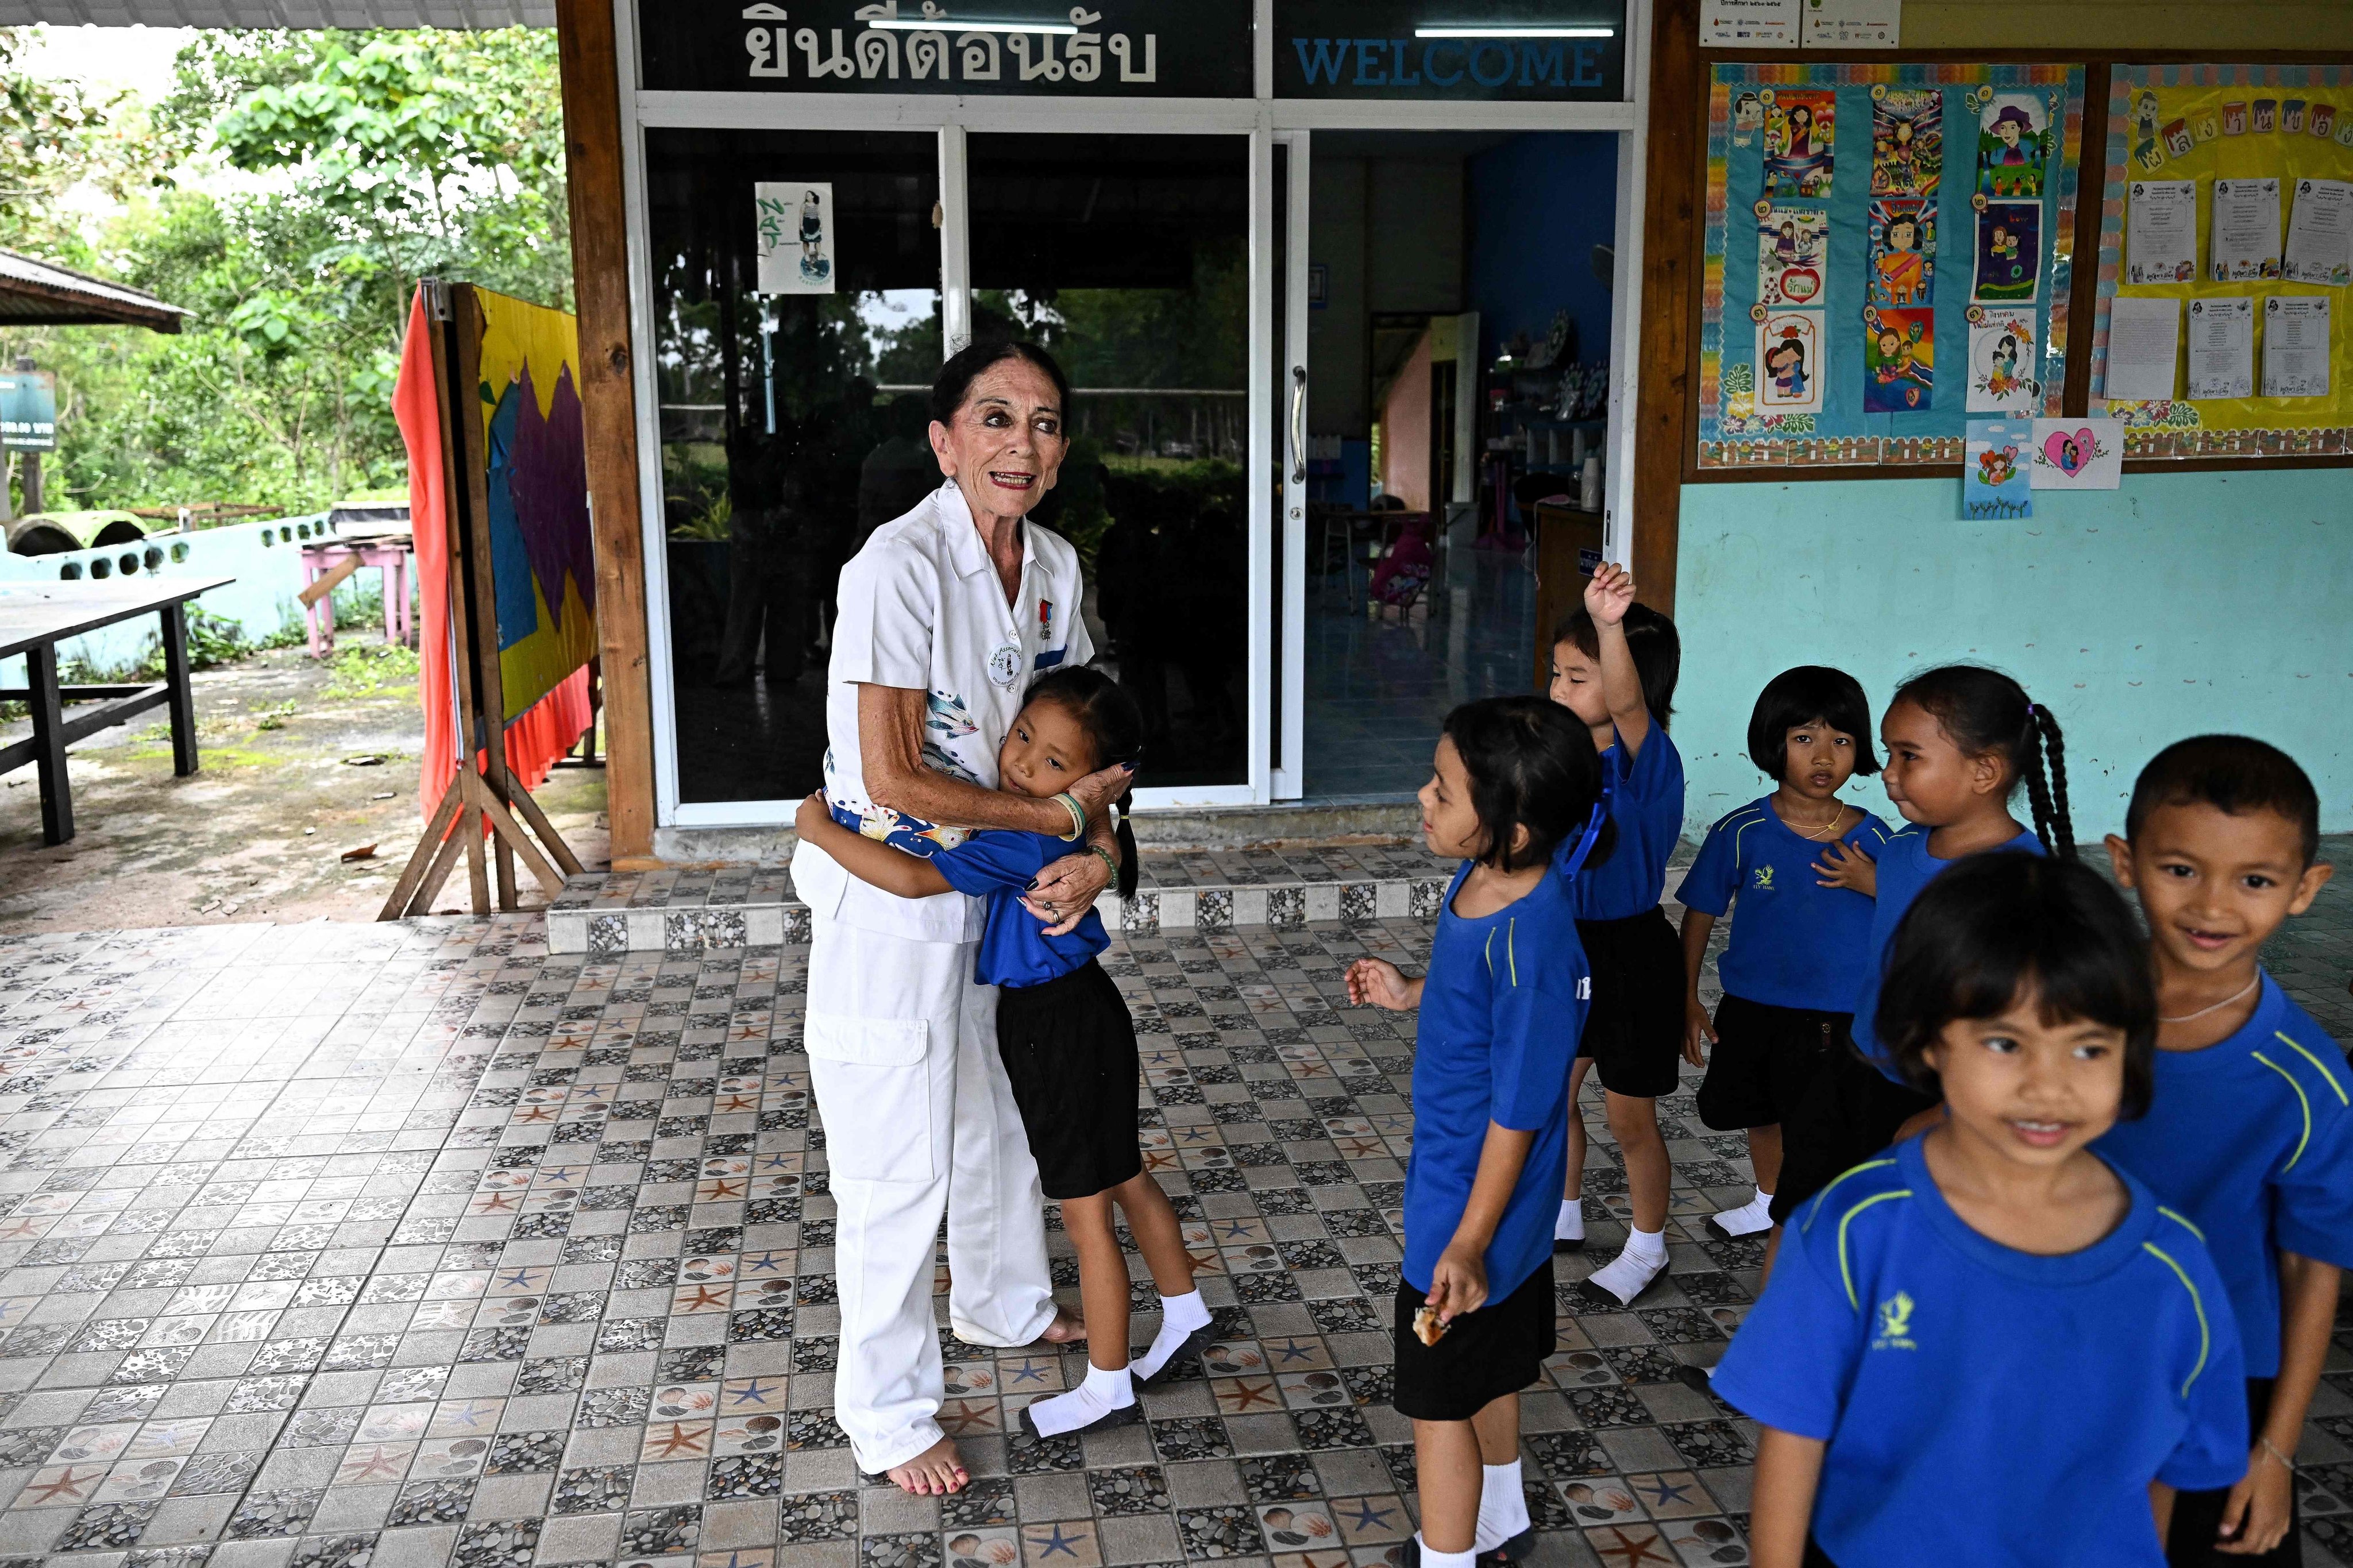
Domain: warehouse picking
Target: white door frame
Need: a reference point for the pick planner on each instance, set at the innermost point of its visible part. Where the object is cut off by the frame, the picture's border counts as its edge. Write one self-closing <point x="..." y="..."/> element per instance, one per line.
<point x="1263" y="119"/>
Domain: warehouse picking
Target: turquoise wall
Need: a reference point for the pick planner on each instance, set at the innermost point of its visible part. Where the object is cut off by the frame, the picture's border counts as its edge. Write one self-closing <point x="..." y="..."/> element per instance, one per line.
<point x="2181" y="604"/>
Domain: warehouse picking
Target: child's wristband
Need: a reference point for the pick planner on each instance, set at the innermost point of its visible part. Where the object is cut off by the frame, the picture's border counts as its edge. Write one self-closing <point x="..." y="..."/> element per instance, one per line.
<point x="1070" y="802"/>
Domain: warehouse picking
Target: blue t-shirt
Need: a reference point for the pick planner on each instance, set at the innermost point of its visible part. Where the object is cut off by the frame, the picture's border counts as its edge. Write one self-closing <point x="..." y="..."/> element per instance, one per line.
<point x="1905" y="868"/>
<point x="1501" y="1011"/>
<point x="2252" y="1139"/>
<point x="1795" y="943"/>
<point x="1983" y="1406"/>
<point x="1646" y="805"/>
<point x="997" y="864"/>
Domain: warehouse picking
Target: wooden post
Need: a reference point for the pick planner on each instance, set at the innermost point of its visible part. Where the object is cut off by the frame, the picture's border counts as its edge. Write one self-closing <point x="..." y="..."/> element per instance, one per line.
<point x="182" y="697"/>
<point x="50" y="738"/>
<point x="481" y="591"/>
<point x="1670" y="217"/>
<point x="600" y="268"/>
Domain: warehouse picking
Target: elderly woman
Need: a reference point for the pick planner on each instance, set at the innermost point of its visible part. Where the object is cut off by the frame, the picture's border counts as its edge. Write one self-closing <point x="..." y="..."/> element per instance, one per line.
<point x="945" y="615"/>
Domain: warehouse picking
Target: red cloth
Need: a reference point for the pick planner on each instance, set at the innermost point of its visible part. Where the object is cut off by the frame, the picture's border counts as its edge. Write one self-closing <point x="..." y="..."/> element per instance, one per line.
<point x="553" y="724"/>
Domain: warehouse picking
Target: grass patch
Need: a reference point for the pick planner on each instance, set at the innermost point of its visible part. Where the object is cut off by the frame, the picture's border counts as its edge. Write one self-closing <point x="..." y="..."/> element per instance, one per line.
<point x="371" y="670"/>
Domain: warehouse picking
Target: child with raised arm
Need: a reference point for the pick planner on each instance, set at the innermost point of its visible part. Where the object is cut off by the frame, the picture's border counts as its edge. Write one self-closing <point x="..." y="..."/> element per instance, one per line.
<point x="1514" y="795"/>
<point x="1066" y="1036"/>
<point x="1988" y="1346"/>
<point x="2250" y="1136"/>
<point x="1614" y="666"/>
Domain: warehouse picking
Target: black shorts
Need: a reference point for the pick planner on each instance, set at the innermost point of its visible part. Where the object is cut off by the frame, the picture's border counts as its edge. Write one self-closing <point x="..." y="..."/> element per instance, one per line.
<point x="1498" y="1350"/>
<point x="1847" y="1115"/>
<point x="1634" y="1032"/>
<point x="2198" y="1515"/>
<point x="1764" y="1060"/>
<point x="1069" y="1050"/>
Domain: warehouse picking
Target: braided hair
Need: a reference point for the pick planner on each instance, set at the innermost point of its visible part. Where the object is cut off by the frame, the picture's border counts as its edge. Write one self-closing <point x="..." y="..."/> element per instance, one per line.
<point x="1987" y="713"/>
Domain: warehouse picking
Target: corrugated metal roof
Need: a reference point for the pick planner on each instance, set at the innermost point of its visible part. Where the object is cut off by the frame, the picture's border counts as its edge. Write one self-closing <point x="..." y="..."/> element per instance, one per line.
<point x="284" y="13"/>
<point x="42" y="291"/>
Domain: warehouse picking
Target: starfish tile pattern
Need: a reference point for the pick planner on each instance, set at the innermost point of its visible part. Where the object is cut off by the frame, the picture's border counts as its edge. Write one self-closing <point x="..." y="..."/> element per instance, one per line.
<point x="418" y="1245"/>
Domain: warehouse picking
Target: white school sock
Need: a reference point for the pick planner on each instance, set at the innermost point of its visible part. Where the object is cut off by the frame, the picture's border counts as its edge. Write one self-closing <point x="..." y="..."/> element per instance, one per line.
<point x="1749" y="1218"/>
<point x="1503" y="1507"/>
<point x="1630" y="1272"/>
<point x="1181" y="1317"/>
<point x="1570" y="1223"/>
<point x="1432" y="1558"/>
<point x="1103" y="1393"/>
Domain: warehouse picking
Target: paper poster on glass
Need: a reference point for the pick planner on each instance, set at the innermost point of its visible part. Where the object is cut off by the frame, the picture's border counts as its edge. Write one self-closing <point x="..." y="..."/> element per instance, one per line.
<point x="2161" y="231"/>
<point x="1793" y="248"/>
<point x="1902" y="231"/>
<point x="2085" y="453"/>
<point x="1908" y="141"/>
<point x="2320" y="233"/>
<point x="2008" y="252"/>
<point x="2002" y="362"/>
<point x="794" y="224"/>
<point x="1994" y="481"/>
<point x="1899" y="353"/>
<point x="2015" y="144"/>
<point x="2244" y="240"/>
<point x="1801" y="126"/>
<point x="1789" y="360"/>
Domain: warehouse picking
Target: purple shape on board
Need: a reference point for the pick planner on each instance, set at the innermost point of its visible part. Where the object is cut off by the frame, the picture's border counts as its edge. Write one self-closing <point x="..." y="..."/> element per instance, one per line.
<point x="550" y="486"/>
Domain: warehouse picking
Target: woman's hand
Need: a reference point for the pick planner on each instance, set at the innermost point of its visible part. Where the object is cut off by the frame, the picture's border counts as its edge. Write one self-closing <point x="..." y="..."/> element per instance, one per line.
<point x="1380" y="984"/>
<point x="2255" y="1518"/>
<point x="1610" y="595"/>
<point x="812" y="811"/>
<point x="1099" y="789"/>
<point x="1697" y="1025"/>
<point x="1844" y="865"/>
<point x="1459" y="1283"/>
<point x="1065" y="890"/>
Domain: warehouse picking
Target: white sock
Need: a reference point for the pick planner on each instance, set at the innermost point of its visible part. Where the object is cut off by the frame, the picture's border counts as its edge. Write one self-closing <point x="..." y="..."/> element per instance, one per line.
<point x="1503" y="1506"/>
<point x="1629" y="1274"/>
<point x="1646" y="1244"/>
<point x="1180" y="1318"/>
<point x="1431" y="1558"/>
<point x="1103" y="1393"/>
<point x="1754" y="1215"/>
<point x="1570" y="1225"/>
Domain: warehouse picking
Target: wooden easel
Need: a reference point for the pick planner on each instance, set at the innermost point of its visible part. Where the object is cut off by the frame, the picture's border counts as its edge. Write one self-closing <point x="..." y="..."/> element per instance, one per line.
<point x="483" y="787"/>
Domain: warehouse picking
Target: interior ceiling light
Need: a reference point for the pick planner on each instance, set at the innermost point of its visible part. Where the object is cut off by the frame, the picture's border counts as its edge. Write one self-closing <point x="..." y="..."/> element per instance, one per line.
<point x="951" y="25"/>
<point x="1505" y="30"/>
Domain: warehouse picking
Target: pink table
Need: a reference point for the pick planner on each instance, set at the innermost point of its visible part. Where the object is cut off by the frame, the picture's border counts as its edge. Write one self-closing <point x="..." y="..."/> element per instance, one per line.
<point x="391" y="556"/>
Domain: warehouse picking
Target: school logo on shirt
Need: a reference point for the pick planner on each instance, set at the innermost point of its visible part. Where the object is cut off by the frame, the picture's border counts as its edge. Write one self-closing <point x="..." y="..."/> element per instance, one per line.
<point x="1764" y="877"/>
<point x="1584" y="988"/>
<point x="1895" y="1324"/>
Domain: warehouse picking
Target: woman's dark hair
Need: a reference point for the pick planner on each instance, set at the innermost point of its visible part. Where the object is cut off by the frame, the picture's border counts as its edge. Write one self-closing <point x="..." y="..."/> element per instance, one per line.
<point x="2237" y="775"/>
<point x="1651" y="639"/>
<point x="955" y="381"/>
<point x="1811" y="693"/>
<point x="1114" y="728"/>
<point x="2000" y="925"/>
<point x="1987" y="713"/>
<point x="1531" y="765"/>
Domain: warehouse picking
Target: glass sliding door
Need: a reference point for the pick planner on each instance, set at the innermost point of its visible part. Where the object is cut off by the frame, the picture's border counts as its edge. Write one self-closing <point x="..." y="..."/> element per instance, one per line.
<point x="796" y="280"/>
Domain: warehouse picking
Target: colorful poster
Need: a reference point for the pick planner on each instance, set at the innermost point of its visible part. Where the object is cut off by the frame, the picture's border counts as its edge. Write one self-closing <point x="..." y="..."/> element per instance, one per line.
<point x="2244" y="238"/>
<point x="1899" y="354"/>
<point x="1789" y="357"/>
<point x="1908" y="141"/>
<point x="2002" y="362"/>
<point x="2008" y="252"/>
<point x="1995" y="481"/>
<point x="794" y="222"/>
<point x="2081" y="454"/>
<point x="1801" y="126"/>
<point x="2016" y="143"/>
<point x="1902" y="239"/>
<point x="1793" y="248"/>
<point x="1748" y="118"/>
<point x="2161" y="245"/>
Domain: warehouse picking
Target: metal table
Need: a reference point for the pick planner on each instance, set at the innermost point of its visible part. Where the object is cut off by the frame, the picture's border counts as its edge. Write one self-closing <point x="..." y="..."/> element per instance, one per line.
<point x="35" y="618"/>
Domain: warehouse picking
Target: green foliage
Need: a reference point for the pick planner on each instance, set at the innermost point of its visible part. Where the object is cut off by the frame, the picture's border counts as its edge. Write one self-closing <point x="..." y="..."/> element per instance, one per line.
<point x="364" y="669"/>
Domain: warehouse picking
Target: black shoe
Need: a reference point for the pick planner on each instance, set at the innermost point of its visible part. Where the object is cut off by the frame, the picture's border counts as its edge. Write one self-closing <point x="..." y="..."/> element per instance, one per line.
<point x="1560" y="1246"/>
<point x="1196" y="1341"/>
<point x="1127" y="1414"/>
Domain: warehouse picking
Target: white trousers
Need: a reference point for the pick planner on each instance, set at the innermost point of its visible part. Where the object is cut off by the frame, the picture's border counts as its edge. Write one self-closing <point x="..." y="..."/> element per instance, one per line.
<point x="919" y="1120"/>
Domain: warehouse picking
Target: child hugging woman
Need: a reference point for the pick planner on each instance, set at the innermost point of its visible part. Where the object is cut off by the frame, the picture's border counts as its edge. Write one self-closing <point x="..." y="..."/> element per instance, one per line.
<point x="1065" y="1035"/>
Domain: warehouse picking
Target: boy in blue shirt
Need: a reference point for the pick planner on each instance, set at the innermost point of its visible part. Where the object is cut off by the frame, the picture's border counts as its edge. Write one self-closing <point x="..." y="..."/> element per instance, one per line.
<point x="2251" y="1136"/>
<point x="1515" y="779"/>
<point x="1799" y="948"/>
<point x="1987" y="1346"/>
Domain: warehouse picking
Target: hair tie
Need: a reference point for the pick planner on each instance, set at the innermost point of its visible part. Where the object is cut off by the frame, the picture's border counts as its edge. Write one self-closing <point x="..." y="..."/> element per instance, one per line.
<point x="2030" y="708"/>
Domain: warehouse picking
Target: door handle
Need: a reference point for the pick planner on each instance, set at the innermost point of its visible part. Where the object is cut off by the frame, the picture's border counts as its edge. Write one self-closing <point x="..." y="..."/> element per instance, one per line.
<point x="1299" y="425"/>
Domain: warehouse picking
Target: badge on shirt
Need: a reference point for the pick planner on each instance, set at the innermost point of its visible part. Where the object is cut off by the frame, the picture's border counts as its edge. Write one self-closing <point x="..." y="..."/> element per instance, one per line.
<point x="1005" y="665"/>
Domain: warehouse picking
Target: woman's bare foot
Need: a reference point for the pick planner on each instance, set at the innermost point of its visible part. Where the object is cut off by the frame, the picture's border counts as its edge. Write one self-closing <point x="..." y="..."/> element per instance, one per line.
<point x="1068" y="1328"/>
<point x="935" y="1472"/>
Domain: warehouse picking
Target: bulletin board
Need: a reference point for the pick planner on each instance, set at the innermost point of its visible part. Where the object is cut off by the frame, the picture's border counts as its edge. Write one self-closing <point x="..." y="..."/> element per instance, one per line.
<point x="1888" y="251"/>
<point x="2236" y="124"/>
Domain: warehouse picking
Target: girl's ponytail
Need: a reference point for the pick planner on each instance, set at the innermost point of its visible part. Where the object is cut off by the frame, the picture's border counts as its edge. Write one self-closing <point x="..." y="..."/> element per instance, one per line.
<point x="2043" y="759"/>
<point x="1128" y="868"/>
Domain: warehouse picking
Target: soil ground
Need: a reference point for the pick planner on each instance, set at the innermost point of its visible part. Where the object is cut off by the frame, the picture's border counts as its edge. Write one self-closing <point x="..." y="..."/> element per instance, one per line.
<point x="257" y="832"/>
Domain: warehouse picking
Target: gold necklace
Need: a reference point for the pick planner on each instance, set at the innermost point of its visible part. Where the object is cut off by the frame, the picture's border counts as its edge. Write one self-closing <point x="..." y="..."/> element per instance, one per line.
<point x="2217" y="1007"/>
<point x="1826" y="830"/>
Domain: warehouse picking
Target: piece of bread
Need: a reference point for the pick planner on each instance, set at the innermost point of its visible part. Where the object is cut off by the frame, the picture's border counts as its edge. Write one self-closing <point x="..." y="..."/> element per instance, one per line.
<point x="1427" y="1327"/>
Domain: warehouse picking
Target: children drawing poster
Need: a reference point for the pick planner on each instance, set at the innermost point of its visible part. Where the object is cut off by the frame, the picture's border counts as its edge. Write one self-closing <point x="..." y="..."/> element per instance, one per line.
<point x="1902" y="239"/>
<point x="1789" y="349"/>
<point x="1800" y="125"/>
<point x="2081" y="453"/>
<point x="2008" y="252"/>
<point x="1792" y="250"/>
<point x="794" y="222"/>
<point x="1899" y="360"/>
<point x="1995" y="478"/>
<point x="1908" y="141"/>
<point x="2002" y="362"/>
<point x="2014" y="145"/>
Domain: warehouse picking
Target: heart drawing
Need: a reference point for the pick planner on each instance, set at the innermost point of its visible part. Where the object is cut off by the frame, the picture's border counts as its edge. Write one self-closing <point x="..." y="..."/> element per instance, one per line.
<point x="2071" y="452"/>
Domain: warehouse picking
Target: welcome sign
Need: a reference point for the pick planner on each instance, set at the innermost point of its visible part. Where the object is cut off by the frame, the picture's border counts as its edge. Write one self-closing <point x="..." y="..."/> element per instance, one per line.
<point x="1429" y="50"/>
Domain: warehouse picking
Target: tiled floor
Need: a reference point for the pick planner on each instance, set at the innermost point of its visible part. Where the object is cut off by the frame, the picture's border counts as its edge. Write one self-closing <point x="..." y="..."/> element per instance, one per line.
<point x="413" y="1246"/>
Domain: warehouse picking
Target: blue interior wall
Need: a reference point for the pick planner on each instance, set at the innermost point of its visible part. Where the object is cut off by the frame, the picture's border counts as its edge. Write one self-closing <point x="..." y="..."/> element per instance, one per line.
<point x="2179" y="605"/>
<point x="1539" y="203"/>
